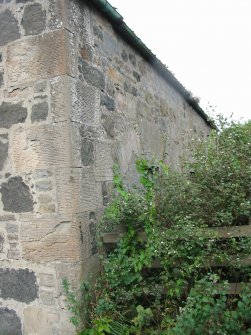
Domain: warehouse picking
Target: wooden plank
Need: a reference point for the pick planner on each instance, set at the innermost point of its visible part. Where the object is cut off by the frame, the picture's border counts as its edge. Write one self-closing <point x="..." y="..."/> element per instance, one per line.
<point x="228" y="232"/>
<point x="244" y="260"/>
<point x="234" y="288"/>
<point x="214" y="232"/>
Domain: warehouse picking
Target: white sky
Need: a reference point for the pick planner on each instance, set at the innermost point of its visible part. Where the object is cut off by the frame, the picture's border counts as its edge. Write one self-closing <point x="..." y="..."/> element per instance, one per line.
<point x="205" y="43"/>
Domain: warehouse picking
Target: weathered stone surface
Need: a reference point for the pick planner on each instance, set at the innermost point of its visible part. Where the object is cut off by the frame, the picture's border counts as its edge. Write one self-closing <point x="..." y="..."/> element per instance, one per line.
<point x="45" y="240"/>
<point x="85" y="103"/>
<point x="46" y="279"/>
<point x="10" y="323"/>
<point x="108" y="124"/>
<point x="103" y="162"/>
<point x="41" y="147"/>
<point x="41" y="174"/>
<point x="4" y="145"/>
<point x="136" y="75"/>
<point x="44" y="185"/>
<point x="86" y="52"/>
<point x="60" y="101"/>
<point x="18" y="284"/>
<point x="87" y="152"/>
<point x="24" y="1"/>
<point x="57" y="14"/>
<point x="1" y="79"/>
<point x="130" y="89"/>
<point x="79" y="192"/>
<point x="39" y="112"/>
<point x="11" y="114"/>
<point x="98" y="32"/>
<point x="41" y="321"/>
<point x="107" y="102"/>
<point x="34" y="19"/>
<point x="132" y="59"/>
<point x="38" y="57"/>
<point x="1" y="243"/>
<point x="8" y="27"/>
<point x="92" y="75"/>
<point x="47" y="297"/>
<point x="124" y="56"/>
<point x="16" y="196"/>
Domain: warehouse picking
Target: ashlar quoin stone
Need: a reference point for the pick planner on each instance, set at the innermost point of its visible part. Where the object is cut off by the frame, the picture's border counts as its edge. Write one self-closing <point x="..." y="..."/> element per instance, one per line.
<point x="10" y="323"/>
<point x="9" y="30"/>
<point x="16" y="196"/>
<point x="18" y="284"/>
<point x="11" y="114"/>
<point x="34" y="19"/>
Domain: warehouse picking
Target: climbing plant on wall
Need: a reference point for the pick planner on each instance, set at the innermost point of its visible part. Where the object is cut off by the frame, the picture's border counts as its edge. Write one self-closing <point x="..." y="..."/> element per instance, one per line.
<point x="171" y="271"/>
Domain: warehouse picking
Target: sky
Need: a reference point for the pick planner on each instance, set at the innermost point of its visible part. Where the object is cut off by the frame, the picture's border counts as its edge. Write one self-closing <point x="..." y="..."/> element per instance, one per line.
<point x="206" y="44"/>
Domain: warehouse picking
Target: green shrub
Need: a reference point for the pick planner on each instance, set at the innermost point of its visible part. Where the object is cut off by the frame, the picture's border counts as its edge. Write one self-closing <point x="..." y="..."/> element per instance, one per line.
<point x="180" y="297"/>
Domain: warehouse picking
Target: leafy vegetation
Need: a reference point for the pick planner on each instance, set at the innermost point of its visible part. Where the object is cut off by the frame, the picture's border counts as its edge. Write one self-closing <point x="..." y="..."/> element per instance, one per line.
<point x="180" y="295"/>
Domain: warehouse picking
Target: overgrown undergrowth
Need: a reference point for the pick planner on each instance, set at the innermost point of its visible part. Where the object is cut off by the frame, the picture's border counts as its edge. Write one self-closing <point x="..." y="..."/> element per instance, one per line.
<point x="181" y="295"/>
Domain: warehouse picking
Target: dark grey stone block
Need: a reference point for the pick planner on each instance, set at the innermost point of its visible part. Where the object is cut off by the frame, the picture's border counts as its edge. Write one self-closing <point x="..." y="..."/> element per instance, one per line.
<point x="108" y="124"/>
<point x="98" y="32"/>
<point x="130" y="89"/>
<point x="87" y="152"/>
<point x="124" y="56"/>
<point x="136" y="75"/>
<point x="107" y="102"/>
<point x="1" y="243"/>
<point x="16" y="196"/>
<point x="18" y="284"/>
<point x="23" y="1"/>
<point x="11" y="114"/>
<point x="1" y="79"/>
<point x="34" y="19"/>
<point x="9" y="30"/>
<point x="92" y="75"/>
<point x="10" y="323"/>
<point x="39" y="112"/>
<point x="3" y="153"/>
<point x="132" y="59"/>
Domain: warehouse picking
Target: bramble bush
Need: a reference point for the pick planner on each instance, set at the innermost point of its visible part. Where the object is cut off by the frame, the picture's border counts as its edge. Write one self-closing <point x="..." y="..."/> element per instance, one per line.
<point x="180" y="296"/>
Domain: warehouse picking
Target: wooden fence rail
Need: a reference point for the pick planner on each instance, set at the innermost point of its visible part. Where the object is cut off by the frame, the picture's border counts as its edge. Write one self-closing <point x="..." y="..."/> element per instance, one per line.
<point x="215" y="232"/>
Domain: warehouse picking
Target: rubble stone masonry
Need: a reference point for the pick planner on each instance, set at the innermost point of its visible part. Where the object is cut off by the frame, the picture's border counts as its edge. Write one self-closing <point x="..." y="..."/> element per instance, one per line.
<point x="74" y="99"/>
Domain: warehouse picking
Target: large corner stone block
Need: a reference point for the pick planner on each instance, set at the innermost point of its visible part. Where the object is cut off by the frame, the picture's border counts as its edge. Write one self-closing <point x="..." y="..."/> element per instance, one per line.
<point x="45" y="240"/>
<point x="10" y="323"/>
<point x="16" y="196"/>
<point x="9" y="30"/>
<point x="41" y="147"/>
<point x="39" y="57"/>
<point x="18" y="284"/>
<point x="12" y="114"/>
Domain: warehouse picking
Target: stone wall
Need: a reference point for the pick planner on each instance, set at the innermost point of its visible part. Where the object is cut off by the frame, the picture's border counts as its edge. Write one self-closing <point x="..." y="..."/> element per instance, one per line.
<point x="74" y="99"/>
